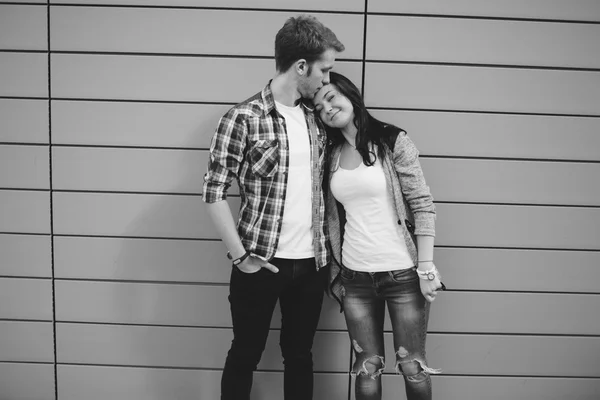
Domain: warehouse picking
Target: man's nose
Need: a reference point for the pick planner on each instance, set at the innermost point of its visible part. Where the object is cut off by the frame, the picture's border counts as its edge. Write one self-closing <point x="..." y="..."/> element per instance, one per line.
<point x="326" y="79"/>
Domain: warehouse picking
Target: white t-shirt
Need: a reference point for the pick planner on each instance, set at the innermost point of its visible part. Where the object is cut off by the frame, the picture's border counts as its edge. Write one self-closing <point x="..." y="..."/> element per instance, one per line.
<point x="373" y="240"/>
<point x="296" y="237"/>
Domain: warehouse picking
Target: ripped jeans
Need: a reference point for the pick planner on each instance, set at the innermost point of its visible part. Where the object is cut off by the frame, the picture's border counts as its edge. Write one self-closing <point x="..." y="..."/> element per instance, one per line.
<point x="365" y="299"/>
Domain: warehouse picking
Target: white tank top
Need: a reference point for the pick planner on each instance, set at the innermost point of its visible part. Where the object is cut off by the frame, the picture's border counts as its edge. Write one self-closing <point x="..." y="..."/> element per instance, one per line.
<point x="373" y="240"/>
<point x="296" y="238"/>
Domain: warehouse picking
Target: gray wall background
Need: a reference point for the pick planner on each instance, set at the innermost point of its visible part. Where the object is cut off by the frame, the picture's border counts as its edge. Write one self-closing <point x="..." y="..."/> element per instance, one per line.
<point x="112" y="281"/>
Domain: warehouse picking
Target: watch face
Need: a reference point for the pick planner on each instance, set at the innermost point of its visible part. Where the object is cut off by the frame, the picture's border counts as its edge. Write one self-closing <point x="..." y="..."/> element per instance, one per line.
<point x="431" y="276"/>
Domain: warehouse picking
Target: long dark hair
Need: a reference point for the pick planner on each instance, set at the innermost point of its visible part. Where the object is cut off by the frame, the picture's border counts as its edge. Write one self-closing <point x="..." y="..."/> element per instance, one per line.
<point x="370" y="129"/>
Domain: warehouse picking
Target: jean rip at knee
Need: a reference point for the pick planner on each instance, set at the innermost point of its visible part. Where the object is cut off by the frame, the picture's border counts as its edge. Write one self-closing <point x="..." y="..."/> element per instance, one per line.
<point x="413" y="366"/>
<point x="371" y="365"/>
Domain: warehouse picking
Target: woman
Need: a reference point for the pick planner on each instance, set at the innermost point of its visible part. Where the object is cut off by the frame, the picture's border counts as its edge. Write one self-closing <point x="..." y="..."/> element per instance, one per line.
<point x="381" y="220"/>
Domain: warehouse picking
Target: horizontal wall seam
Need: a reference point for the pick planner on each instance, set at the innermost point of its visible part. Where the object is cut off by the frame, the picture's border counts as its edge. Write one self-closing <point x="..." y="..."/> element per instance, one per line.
<point x="366" y="61"/>
<point x="71" y="364"/>
<point x="31" y="144"/>
<point x="447" y="110"/>
<point x="484" y="65"/>
<point x="136" y="237"/>
<point x="199" y="195"/>
<point x="318" y="372"/>
<point x="32" y="51"/>
<point x="13" y="3"/>
<point x="540" y="205"/>
<point x="148" y="101"/>
<point x="139" y="281"/>
<point x="38" y="278"/>
<point x="25" y="234"/>
<point x="515" y="248"/>
<point x="486" y="18"/>
<point x="221" y="284"/>
<point x="258" y="57"/>
<point x="24" y="98"/>
<point x="526" y="159"/>
<point x="180" y="7"/>
<point x="149" y="193"/>
<point x="175" y="148"/>
<point x="73" y="235"/>
<point x="49" y="363"/>
<point x="166" y="367"/>
<point x="108" y="146"/>
<point x="32" y="320"/>
<point x="420" y="15"/>
<point x="174" y="55"/>
<point x="105" y="100"/>
<point x="343" y="330"/>
<point x="24" y="189"/>
<point x="422" y="155"/>
<point x="100" y="323"/>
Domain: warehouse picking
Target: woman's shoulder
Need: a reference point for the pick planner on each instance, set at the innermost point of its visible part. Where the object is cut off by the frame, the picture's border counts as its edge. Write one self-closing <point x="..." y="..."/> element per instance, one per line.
<point x="390" y="133"/>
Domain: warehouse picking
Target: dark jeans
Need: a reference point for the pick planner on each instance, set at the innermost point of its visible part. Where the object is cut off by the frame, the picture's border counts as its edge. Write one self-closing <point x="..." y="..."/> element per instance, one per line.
<point x="365" y="300"/>
<point x="299" y="289"/>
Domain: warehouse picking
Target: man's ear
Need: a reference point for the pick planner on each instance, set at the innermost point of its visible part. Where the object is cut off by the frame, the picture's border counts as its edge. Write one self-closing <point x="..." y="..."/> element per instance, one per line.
<point x="301" y="66"/>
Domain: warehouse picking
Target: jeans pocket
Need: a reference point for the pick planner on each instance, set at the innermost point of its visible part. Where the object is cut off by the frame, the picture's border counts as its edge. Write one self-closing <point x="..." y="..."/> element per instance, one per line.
<point x="237" y="270"/>
<point x="408" y="275"/>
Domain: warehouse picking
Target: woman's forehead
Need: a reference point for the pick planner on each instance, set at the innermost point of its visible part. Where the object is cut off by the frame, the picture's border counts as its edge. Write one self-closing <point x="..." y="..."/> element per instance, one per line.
<point x="322" y="93"/>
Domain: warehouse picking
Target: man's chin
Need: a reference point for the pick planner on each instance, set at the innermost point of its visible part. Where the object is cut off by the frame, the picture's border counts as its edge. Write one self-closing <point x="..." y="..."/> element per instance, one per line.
<point x="314" y="94"/>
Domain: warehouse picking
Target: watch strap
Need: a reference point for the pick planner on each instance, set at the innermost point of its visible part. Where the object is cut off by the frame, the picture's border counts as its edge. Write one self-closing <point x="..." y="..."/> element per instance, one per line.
<point x="429" y="275"/>
<point x="238" y="261"/>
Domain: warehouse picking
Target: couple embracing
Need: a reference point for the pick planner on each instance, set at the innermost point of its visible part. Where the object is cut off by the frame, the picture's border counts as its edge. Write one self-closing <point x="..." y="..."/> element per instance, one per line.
<point x="328" y="194"/>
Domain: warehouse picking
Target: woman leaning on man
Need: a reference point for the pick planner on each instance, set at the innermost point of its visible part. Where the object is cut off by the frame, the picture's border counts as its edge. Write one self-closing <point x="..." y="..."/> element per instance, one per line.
<point x="381" y="220"/>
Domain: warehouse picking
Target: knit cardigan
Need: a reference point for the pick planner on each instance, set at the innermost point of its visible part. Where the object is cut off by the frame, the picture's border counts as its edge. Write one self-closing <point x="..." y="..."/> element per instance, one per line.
<point x="412" y="200"/>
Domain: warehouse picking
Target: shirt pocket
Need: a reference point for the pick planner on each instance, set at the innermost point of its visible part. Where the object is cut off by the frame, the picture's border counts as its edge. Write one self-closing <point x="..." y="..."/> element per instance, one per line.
<point x="264" y="157"/>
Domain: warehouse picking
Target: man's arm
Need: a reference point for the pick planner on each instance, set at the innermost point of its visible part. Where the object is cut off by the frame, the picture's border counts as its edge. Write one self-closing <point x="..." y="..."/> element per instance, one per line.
<point x="222" y="218"/>
<point x="226" y="153"/>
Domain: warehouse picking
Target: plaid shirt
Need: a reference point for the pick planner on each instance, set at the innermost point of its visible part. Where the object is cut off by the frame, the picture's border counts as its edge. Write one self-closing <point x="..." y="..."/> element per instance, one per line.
<point x="251" y="145"/>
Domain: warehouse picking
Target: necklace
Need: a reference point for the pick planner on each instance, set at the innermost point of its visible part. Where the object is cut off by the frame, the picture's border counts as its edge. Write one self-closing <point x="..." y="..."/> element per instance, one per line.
<point x="351" y="145"/>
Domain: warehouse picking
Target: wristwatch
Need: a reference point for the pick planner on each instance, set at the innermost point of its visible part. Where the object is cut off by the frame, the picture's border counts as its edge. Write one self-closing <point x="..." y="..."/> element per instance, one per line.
<point x="428" y="275"/>
<point x="238" y="261"/>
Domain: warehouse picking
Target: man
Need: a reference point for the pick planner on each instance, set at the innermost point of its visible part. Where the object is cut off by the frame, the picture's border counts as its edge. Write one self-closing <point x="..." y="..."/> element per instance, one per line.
<point x="274" y="146"/>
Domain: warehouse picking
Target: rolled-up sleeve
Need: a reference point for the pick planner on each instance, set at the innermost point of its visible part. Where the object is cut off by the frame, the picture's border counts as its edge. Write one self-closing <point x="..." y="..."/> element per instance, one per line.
<point x="225" y="156"/>
<point x="414" y="188"/>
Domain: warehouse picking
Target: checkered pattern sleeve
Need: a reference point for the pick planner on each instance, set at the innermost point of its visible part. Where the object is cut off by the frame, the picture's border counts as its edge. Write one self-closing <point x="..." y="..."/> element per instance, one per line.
<point x="226" y="154"/>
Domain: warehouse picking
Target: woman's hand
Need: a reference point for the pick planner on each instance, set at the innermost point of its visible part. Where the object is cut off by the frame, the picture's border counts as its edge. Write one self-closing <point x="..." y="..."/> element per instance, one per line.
<point x="429" y="288"/>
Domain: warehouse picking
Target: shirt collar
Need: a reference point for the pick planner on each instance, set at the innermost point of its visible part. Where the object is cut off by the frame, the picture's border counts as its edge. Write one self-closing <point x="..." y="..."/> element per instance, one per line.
<point x="269" y="101"/>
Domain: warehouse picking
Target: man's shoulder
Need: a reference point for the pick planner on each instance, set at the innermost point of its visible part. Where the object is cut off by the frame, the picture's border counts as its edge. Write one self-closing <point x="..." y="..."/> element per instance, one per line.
<point x="252" y="107"/>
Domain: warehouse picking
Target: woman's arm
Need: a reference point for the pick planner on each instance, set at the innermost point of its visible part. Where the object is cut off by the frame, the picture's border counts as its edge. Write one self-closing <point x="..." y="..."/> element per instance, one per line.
<point x="425" y="264"/>
<point x="420" y="201"/>
<point x="413" y="185"/>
